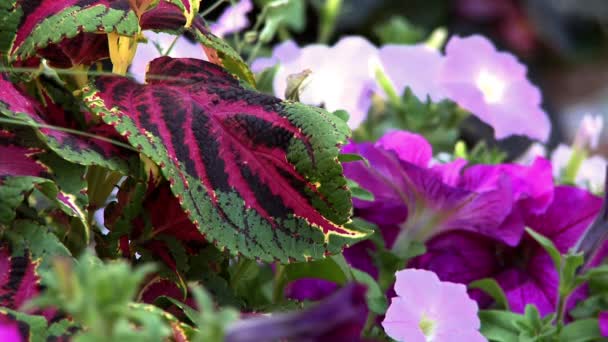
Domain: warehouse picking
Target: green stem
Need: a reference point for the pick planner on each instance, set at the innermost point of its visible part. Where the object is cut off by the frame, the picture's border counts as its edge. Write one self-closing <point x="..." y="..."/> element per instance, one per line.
<point x="561" y="312"/>
<point x="213" y="7"/>
<point x="387" y="85"/>
<point x="240" y="269"/>
<point x="68" y="130"/>
<point x="327" y="24"/>
<point x="279" y="283"/>
<point x="254" y="51"/>
<point x="574" y="165"/>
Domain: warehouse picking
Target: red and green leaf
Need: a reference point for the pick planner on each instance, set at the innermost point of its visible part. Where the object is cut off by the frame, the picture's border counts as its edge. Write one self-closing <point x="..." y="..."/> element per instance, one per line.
<point x="255" y="174"/>
<point x="171" y="15"/>
<point x="19" y="160"/>
<point x="57" y="179"/>
<point x="19" y="281"/>
<point x="24" y="167"/>
<point x="18" y="326"/>
<point x="71" y="32"/>
<point x="49" y="22"/>
<point x="217" y="48"/>
<point x="168" y="17"/>
<point x="150" y="221"/>
<point x="79" y="149"/>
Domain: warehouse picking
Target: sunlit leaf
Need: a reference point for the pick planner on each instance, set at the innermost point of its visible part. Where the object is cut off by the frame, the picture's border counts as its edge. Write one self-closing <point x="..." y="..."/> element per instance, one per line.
<point x="255" y="174"/>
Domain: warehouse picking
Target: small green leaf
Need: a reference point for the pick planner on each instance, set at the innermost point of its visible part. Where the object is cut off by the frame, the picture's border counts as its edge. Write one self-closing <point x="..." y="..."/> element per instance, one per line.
<point x="548" y="246"/>
<point x="376" y="300"/>
<point x="327" y="269"/>
<point x="398" y="30"/>
<point x="351" y="157"/>
<point x="499" y="326"/>
<point x="492" y="288"/>
<point x="584" y="330"/>
<point x="568" y="279"/>
<point x="358" y="192"/>
<point x="342" y="114"/>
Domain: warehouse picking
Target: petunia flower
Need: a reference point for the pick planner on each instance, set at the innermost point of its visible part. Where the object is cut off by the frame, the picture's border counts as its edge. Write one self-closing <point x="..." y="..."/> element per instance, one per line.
<point x="425" y="200"/>
<point x="340" y="317"/>
<point x="525" y="272"/>
<point x="160" y="44"/>
<point x="10" y="329"/>
<point x="493" y="86"/>
<point x="589" y="132"/>
<point x="603" y="322"/>
<point x="310" y="289"/>
<point x="233" y="19"/>
<point x="572" y="164"/>
<point x="413" y="66"/>
<point x="427" y="309"/>
<point x="342" y="76"/>
<point x="591" y="173"/>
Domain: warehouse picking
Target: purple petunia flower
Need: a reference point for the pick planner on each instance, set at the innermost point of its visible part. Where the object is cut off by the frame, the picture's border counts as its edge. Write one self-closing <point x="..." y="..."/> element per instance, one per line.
<point x="343" y="76"/>
<point x="525" y="272"/>
<point x="310" y="289"/>
<point x="493" y="86"/>
<point x="233" y="19"/>
<point x="603" y="322"/>
<point x="340" y="317"/>
<point x="427" y="309"/>
<point x="425" y="200"/>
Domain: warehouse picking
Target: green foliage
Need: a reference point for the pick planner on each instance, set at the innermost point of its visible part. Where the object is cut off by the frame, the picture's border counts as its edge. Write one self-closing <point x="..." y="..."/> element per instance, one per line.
<point x="398" y="30"/>
<point x="98" y="295"/>
<point x="492" y="288"/>
<point x="437" y="122"/>
<point x="279" y="13"/>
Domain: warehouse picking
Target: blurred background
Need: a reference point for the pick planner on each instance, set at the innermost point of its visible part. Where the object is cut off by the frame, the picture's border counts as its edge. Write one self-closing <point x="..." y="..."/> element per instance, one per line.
<point x="563" y="42"/>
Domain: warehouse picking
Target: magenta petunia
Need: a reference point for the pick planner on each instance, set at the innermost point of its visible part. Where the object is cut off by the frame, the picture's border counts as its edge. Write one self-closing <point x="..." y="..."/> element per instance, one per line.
<point x="493" y="86"/>
<point x="10" y="329"/>
<point x="603" y="322"/>
<point x="427" y="309"/>
<point x="233" y="19"/>
<point x="525" y="272"/>
<point x="340" y="317"/>
<point x="425" y="200"/>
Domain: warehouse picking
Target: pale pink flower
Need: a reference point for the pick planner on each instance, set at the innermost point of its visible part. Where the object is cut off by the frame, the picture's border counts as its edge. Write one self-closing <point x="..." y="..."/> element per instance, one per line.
<point x="342" y="76"/>
<point x="233" y="19"/>
<point x="413" y="66"/>
<point x="493" y="86"/>
<point x="591" y="174"/>
<point x="589" y="132"/>
<point x="427" y="309"/>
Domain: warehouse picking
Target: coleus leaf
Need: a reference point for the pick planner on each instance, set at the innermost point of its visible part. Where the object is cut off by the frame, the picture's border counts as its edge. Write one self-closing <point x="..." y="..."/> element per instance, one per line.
<point x="28" y="237"/>
<point x="255" y="174"/>
<point x="67" y="32"/>
<point x="18" y="326"/>
<point x="180" y="13"/>
<point x="19" y="160"/>
<point x="47" y="22"/>
<point x="78" y="149"/>
<point x="179" y="331"/>
<point x="168" y="17"/>
<point x="220" y="52"/>
<point x="150" y="221"/>
<point x="23" y="168"/>
<point x="18" y="279"/>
